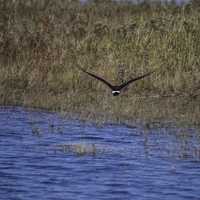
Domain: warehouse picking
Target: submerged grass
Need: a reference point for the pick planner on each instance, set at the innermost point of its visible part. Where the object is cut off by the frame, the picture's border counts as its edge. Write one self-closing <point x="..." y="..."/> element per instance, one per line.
<point x="43" y="42"/>
<point x="79" y="149"/>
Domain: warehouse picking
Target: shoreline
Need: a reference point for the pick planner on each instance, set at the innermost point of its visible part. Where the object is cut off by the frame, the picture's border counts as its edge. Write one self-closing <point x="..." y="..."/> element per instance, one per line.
<point x="145" y="110"/>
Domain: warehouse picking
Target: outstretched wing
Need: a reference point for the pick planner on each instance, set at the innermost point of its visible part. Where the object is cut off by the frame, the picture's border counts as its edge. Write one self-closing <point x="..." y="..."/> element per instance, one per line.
<point x="98" y="78"/>
<point x="135" y="79"/>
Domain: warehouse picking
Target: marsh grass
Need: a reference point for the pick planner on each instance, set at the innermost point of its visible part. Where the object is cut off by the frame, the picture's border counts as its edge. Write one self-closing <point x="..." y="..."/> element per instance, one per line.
<point x="79" y="149"/>
<point x="43" y="42"/>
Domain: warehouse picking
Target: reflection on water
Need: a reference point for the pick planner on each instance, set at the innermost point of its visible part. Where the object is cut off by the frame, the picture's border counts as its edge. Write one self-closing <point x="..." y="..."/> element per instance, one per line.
<point x="45" y="156"/>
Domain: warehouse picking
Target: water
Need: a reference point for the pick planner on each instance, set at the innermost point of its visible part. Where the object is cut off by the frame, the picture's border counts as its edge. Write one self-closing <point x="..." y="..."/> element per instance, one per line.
<point x="44" y="156"/>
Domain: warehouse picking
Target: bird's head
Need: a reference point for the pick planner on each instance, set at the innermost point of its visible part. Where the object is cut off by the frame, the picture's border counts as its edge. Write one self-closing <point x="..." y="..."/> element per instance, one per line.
<point x="115" y="92"/>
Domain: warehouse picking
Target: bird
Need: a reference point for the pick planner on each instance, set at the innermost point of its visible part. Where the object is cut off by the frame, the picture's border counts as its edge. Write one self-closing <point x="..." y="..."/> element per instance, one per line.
<point x="116" y="89"/>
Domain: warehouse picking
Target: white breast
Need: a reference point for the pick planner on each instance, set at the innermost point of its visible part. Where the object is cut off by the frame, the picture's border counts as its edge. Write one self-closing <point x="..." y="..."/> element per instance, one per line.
<point x="115" y="92"/>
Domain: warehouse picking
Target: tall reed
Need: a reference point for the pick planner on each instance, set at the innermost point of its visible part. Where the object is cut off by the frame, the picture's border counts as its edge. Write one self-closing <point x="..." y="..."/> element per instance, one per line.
<point x="43" y="42"/>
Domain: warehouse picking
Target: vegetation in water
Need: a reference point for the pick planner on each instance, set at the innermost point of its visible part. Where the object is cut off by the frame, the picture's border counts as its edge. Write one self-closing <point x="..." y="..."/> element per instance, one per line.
<point x="42" y="43"/>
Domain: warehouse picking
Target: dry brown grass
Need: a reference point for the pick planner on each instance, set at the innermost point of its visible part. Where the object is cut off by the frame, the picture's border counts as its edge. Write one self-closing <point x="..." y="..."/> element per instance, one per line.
<point x="43" y="42"/>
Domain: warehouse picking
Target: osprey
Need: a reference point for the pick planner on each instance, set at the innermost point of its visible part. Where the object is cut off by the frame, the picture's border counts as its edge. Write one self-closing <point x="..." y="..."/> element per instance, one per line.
<point x="116" y="89"/>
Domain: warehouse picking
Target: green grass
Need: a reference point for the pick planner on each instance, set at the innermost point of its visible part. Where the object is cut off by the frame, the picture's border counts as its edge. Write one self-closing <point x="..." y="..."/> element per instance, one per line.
<point x="42" y="43"/>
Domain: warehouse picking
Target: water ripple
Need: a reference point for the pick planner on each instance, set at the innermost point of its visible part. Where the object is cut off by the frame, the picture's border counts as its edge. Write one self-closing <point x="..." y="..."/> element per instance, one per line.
<point x="43" y="156"/>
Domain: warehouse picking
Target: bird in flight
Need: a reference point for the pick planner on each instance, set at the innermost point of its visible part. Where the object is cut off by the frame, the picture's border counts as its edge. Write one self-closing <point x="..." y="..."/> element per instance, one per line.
<point x="116" y="89"/>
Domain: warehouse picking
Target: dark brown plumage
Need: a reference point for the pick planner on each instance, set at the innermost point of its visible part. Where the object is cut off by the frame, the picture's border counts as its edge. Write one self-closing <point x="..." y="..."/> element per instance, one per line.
<point x="116" y="89"/>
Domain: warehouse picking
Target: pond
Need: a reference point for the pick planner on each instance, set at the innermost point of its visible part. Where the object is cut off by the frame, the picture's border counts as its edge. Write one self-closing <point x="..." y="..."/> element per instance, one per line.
<point x="46" y="156"/>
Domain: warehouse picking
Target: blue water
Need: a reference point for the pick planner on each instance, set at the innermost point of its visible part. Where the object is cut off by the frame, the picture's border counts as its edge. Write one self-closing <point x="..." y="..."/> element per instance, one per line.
<point x="40" y="158"/>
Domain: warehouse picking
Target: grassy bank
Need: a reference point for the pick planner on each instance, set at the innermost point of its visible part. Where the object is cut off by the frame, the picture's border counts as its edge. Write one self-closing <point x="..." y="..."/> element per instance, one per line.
<point x="43" y="42"/>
